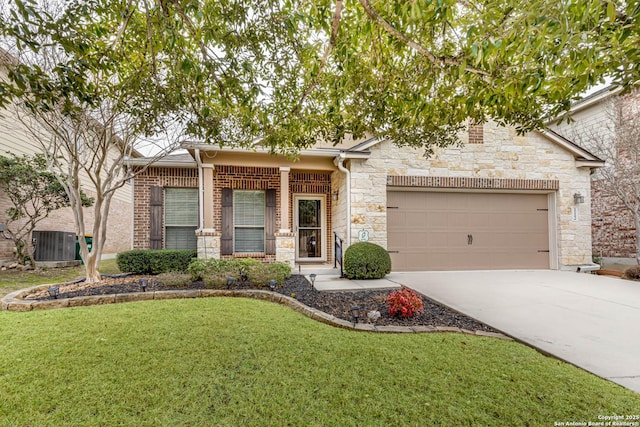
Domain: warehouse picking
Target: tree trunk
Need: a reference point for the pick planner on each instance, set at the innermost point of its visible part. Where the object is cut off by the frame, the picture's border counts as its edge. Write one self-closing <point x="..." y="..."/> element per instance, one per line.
<point x="91" y="267"/>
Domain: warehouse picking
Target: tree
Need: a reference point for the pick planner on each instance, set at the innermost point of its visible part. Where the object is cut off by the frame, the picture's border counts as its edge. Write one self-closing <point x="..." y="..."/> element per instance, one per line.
<point x="86" y="103"/>
<point x="285" y="73"/>
<point x="618" y="142"/>
<point x="290" y="72"/>
<point x="34" y="193"/>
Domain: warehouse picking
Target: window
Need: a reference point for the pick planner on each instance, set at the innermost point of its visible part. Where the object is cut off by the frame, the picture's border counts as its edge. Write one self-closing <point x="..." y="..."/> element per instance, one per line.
<point x="181" y="218"/>
<point x="248" y="221"/>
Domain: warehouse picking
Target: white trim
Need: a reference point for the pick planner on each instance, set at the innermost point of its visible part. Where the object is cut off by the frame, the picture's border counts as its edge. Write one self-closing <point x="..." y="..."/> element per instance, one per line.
<point x="323" y="225"/>
<point x="590" y="163"/>
<point x="579" y="152"/>
<point x="161" y="163"/>
<point x="312" y="152"/>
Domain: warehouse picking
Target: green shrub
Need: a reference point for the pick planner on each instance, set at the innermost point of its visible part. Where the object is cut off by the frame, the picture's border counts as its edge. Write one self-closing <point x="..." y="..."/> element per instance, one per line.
<point x="632" y="273"/>
<point x="173" y="279"/>
<point x="364" y="260"/>
<point x="242" y="268"/>
<point x="147" y="261"/>
<point x="199" y="268"/>
<point x="260" y="275"/>
<point x="215" y="280"/>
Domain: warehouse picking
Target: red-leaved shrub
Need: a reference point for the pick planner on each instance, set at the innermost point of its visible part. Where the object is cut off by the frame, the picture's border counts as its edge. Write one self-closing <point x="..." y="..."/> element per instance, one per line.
<point x="404" y="303"/>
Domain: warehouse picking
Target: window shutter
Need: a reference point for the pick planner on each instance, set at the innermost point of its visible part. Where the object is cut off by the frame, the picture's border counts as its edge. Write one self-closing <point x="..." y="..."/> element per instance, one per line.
<point x="270" y="223"/>
<point x="226" y="241"/>
<point x="155" y="214"/>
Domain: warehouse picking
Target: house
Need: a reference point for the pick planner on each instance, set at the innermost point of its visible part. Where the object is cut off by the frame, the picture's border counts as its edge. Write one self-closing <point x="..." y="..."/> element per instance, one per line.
<point x="498" y="201"/>
<point x="15" y="138"/>
<point x="594" y="126"/>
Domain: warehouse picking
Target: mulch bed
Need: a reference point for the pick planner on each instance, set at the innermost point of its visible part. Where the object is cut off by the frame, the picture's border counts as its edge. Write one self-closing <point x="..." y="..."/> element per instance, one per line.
<point x="335" y="303"/>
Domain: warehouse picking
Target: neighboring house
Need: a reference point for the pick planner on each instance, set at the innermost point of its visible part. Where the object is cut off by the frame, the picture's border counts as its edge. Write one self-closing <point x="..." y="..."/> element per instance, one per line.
<point x="16" y="139"/>
<point x="593" y="126"/>
<point x="499" y="201"/>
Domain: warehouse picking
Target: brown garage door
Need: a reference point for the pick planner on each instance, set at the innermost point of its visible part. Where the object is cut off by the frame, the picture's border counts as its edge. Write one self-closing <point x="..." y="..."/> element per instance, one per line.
<point x="467" y="231"/>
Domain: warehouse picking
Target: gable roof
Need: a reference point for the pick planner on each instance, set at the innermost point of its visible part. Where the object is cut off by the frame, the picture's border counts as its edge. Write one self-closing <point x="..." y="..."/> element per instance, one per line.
<point x="583" y="157"/>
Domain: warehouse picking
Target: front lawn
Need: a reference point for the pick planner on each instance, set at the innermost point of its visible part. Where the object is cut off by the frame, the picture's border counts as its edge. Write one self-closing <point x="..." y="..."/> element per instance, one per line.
<point x="231" y="362"/>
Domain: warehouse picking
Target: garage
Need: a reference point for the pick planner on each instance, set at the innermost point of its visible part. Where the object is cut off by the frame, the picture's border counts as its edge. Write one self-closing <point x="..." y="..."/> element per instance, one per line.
<point x="467" y="230"/>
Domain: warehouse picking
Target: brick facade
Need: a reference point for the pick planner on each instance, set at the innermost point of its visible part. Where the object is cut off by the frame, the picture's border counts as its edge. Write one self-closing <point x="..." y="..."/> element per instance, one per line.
<point x="236" y="178"/>
<point x="163" y="177"/>
<point x="472" y="183"/>
<point x="476" y="134"/>
<point x="612" y="227"/>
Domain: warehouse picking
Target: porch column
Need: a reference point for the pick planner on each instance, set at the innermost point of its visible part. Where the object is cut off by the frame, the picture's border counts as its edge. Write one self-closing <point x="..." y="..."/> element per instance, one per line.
<point x="208" y="237"/>
<point x="207" y="192"/>
<point x="285" y="239"/>
<point x="284" y="200"/>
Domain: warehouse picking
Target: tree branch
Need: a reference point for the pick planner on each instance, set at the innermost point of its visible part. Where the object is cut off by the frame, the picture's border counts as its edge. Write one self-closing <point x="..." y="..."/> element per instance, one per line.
<point x="335" y="26"/>
<point x="439" y="62"/>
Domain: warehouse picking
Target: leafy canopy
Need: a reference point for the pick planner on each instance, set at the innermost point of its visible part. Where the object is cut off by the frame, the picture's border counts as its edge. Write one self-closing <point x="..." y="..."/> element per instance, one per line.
<point x="288" y="72"/>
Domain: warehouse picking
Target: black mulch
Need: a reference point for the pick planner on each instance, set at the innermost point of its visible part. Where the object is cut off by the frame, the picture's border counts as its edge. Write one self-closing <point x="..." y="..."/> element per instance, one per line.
<point x="337" y="304"/>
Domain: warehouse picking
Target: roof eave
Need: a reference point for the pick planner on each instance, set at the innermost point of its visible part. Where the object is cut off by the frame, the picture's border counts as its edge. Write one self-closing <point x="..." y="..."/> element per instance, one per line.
<point x="311" y="152"/>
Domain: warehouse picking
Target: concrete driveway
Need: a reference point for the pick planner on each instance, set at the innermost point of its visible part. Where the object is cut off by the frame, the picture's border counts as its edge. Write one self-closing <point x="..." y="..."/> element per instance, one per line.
<point x="590" y="321"/>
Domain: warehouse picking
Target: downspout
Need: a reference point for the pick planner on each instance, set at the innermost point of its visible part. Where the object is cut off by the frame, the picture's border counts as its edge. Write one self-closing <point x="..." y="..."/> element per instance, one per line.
<point x="340" y="163"/>
<point x="200" y="191"/>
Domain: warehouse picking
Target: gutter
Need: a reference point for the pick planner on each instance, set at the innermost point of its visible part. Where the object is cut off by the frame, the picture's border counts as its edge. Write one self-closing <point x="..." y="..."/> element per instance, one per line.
<point x="339" y="161"/>
<point x="319" y="152"/>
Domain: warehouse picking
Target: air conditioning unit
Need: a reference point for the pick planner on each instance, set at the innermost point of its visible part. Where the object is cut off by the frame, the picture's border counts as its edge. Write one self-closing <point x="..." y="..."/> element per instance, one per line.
<point x="54" y="245"/>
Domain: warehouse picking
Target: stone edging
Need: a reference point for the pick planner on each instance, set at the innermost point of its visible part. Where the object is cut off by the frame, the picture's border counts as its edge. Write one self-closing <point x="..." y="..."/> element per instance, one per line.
<point x="15" y="302"/>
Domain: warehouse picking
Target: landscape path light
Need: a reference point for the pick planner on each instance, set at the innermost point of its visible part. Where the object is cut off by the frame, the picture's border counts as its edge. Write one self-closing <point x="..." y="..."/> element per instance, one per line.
<point x="355" y="313"/>
<point x="54" y="291"/>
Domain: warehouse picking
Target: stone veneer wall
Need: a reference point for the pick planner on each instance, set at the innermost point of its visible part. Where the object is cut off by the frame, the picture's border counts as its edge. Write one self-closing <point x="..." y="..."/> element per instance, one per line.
<point x="503" y="155"/>
<point x="339" y="207"/>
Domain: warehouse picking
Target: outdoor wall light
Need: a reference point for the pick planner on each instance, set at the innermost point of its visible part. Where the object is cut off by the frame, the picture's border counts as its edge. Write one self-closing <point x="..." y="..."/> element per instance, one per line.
<point x="334" y="195"/>
<point x="272" y="284"/>
<point x="144" y="282"/>
<point x="578" y="198"/>
<point x="230" y="281"/>
<point x="313" y="280"/>
<point x="54" y="291"/>
<point x="355" y="313"/>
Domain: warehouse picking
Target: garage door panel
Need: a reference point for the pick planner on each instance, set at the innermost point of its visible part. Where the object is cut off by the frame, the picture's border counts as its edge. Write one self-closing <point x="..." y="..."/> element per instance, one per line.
<point x="431" y="231"/>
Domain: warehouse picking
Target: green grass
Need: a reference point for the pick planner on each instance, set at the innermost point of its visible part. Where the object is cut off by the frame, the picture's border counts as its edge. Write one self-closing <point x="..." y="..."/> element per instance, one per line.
<point x="231" y="362"/>
<point x="11" y="280"/>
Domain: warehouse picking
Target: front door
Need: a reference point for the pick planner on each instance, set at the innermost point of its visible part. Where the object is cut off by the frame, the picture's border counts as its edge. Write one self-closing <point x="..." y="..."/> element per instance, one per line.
<point x="310" y="224"/>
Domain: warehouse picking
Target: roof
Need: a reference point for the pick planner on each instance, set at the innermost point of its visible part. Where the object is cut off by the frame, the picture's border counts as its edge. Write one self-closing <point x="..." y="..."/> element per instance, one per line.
<point x="179" y="160"/>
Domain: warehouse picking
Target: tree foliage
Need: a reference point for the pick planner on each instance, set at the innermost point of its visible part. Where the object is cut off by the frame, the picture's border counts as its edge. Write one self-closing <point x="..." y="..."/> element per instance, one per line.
<point x="284" y="73"/>
<point x="289" y="72"/>
<point x="614" y="136"/>
<point x="34" y="192"/>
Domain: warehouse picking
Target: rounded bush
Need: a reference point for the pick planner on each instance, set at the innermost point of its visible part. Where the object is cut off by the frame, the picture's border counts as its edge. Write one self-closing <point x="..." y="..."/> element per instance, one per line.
<point x="632" y="273"/>
<point x="364" y="260"/>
